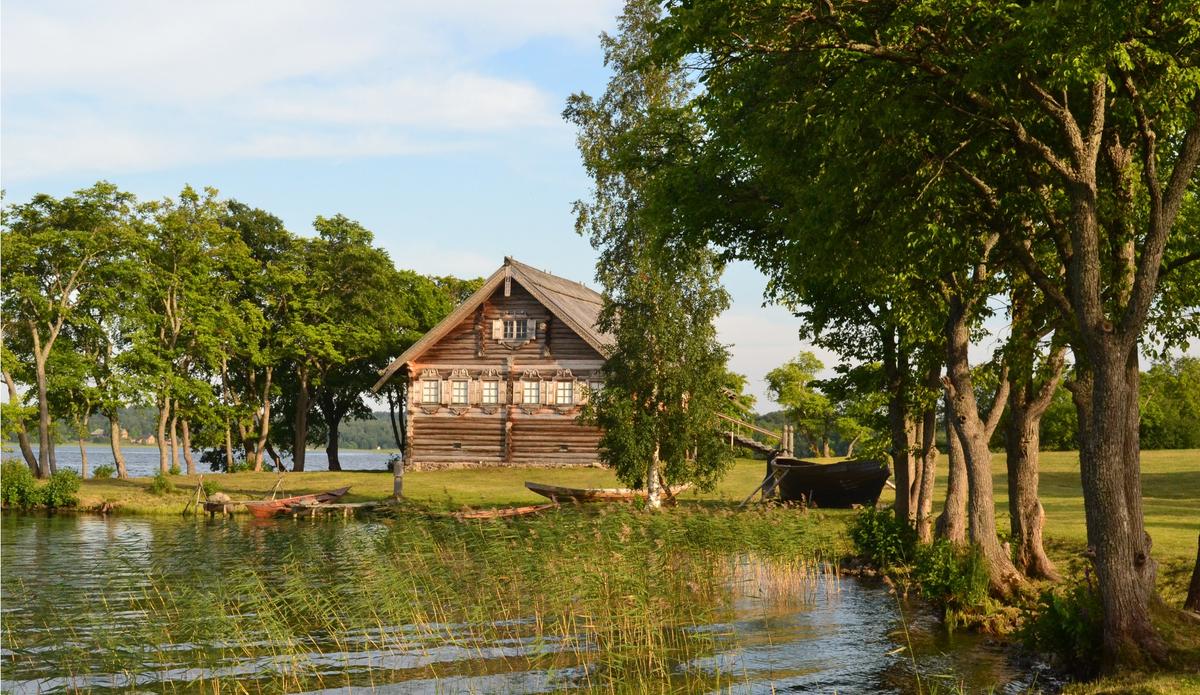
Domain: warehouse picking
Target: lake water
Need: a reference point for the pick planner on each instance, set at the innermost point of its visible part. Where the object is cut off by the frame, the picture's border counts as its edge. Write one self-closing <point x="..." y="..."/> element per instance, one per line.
<point x="77" y="592"/>
<point x="143" y="461"/>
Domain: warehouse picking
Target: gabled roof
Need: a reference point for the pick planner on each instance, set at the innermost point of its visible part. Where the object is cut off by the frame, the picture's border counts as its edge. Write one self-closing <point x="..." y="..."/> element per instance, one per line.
<point x="574" y="304"/>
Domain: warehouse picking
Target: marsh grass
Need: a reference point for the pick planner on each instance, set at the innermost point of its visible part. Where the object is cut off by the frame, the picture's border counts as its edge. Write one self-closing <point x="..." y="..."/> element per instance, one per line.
<point x="605" y="600"/>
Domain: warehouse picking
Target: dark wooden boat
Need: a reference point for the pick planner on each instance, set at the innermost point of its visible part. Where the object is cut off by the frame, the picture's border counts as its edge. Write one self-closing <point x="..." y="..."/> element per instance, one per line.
<point x="265" y="509"/>
<point x="842" y="484"/>
<point x="596" y="494"/>
<point x="504" y="512"/>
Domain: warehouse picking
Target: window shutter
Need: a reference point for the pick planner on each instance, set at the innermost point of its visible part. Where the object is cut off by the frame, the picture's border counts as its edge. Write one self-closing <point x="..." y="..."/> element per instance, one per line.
<point x="414" y="392"/>
<point x="444" y="387"/>
<point x="548" y="392"/>
<point x="577" y="394"/>
<point x="531" y="328"/>
<point x="498" y="329"/>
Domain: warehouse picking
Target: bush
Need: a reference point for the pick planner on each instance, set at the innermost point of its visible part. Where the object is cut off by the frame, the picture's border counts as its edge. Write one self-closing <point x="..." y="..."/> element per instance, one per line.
<point x="18" y="487"/>
<point x="104" y="472"/>
<point x="161" y="484"/>
<point x="1067" y="624"/>
<point x="62" y="490"/>
<point x="210" y="487"/>
<point x="883" y="539"/>
<point x="174" y="469"/>
<point x="954" y="578"/>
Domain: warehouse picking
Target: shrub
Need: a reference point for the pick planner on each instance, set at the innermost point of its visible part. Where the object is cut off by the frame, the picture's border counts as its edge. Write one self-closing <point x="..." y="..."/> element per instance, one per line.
<point x="104" y="472"/>
<point x="161" y="484"/>
<point x="883" y="539"/>
<point x="18" y="487"/>
<point x="62" y="490"/>
<point x="1067" y="623"/>
<point x="239" y="466"/>
<point x="954" y="578"/>
<point x="174" y="469"/>
<point x="210" y="487"/>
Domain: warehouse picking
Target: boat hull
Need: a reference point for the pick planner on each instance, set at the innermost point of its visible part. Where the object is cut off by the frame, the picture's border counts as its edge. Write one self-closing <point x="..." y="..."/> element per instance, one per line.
<point x="265" y="509"/>
<point x="831" y="485"/>
<point x="576" y="494"/>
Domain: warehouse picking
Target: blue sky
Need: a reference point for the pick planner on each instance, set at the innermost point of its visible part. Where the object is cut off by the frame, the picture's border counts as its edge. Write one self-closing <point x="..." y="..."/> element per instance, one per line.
<point x="436" y="125"/>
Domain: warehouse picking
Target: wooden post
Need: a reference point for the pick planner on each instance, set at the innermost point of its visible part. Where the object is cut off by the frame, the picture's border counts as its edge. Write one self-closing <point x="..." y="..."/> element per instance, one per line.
<point x="398" y="478"/>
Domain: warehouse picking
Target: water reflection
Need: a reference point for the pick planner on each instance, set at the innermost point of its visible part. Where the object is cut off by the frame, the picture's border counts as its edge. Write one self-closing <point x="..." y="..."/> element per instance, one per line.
<point x="75" y="592"/>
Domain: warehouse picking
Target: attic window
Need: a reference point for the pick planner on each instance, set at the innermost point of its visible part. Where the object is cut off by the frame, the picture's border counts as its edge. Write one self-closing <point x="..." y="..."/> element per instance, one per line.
<point x="516" y="329"/>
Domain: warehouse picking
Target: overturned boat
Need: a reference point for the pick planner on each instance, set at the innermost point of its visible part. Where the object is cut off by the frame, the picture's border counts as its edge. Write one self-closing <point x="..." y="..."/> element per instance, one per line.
<point x="597" y="494"/>
<point x="265" y="509"/>
<point x="842" y="484"/>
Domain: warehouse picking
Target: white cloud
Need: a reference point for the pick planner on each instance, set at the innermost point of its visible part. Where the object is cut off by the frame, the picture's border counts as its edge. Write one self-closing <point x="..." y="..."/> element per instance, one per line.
<point x="170" y="83"/>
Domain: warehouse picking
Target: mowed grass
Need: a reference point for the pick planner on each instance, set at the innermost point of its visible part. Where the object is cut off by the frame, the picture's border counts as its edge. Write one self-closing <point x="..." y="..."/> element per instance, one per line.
<point x="1170" y="482"/>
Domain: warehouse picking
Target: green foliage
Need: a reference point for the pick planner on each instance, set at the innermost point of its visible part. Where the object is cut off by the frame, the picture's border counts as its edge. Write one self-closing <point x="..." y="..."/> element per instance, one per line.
<point x="882" y="538"/>
<point x="210" y="487"/>
<point x="161" y="485"/>
<point x="174" y="469"/>
<point x="62" y="490"/>
<point x="1067" y="622"/>
<point x="104" y="472"/>
<point x="18" y="487"/>
<point x="951" y="577"/>
<point x="664" y="377"/>
<point x="1170" y="405"/>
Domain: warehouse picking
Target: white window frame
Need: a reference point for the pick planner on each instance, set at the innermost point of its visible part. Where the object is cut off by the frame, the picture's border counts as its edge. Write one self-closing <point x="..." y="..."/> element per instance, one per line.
<point x="564" y="393"/>
<point x="536" y="387"/>
<point x="455" y="386"/>
<point x="429" y="386"/>
<point x="516" y="329"/>
<point x="490" y="394"/>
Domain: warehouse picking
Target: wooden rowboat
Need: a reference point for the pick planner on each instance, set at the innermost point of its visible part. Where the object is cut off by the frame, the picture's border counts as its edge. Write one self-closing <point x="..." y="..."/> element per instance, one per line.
<point x="265" y="509"/>
<point x="504" y="512"/>
<point x="596" y="494"/>
<point x="842" y="484"/>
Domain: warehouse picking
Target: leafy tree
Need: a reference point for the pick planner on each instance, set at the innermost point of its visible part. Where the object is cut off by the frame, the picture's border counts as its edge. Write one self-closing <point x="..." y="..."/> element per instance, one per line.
<point x="659" y="408"/>
<point x="1170" y="404"/>
<point x="793" y="385"/>
<point x="54" y="251"/>
<point x="1078" y="141"/>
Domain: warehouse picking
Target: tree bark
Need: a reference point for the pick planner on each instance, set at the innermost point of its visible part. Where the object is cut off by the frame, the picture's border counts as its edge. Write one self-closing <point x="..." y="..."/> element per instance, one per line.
<point x="114" y="439"/>
<point x="264" y="425"/>
<point x="275" y="457"/>
<point x="174" y="433"/>
<point x="331" y="447"/>
<point x="45" y="468"/>
<point x="22" y="434"/>
<point x="228" y="447"/>
<point x="1192" y="602"/>
<point x="83" y="459"/>
<point x="164" y="411"/>
<point x="973" y="431"/>
<point x="895" y="365"/>
<point x="952" y="523"/>
<point x="187" y="447"/>
<point x="300" y="423"/>
<point x="928" y="460"/>
<point x="1106" y="399"/>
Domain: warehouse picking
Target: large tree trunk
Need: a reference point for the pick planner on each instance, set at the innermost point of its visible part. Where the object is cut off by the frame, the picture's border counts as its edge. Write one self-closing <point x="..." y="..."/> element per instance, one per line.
<point x="1106" y="398"/>
<point x="22" y="434"/>
<point x="300" y="424"/>
<point x="928" y="472"/>
<point x="187" y="447"/>
<point x="164" y="412"/>
<point x="228" y="448"/>
<point x="1026" y="515"/>
<point x="114" y="440"/>
<point x="1192" y="602"/>
<point x="973" y="431"/>
<point x="83" y="459"/>
<point x="331" y="447"/>
<point x="174" y="434"/>
<point x="952" y="523"/>
<point x="45" y="468"/>
<point x="264" y="424"/>
<point x="895" y="365"/>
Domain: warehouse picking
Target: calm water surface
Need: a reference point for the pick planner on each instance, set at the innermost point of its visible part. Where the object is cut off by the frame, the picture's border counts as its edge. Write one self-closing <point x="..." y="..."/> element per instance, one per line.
<point x="143" y="461"/>
<point x="60" y="571"/>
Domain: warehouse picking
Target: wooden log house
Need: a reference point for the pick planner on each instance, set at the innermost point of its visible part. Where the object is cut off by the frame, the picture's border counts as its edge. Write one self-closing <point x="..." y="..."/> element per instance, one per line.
<point x="501" y="380"/>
